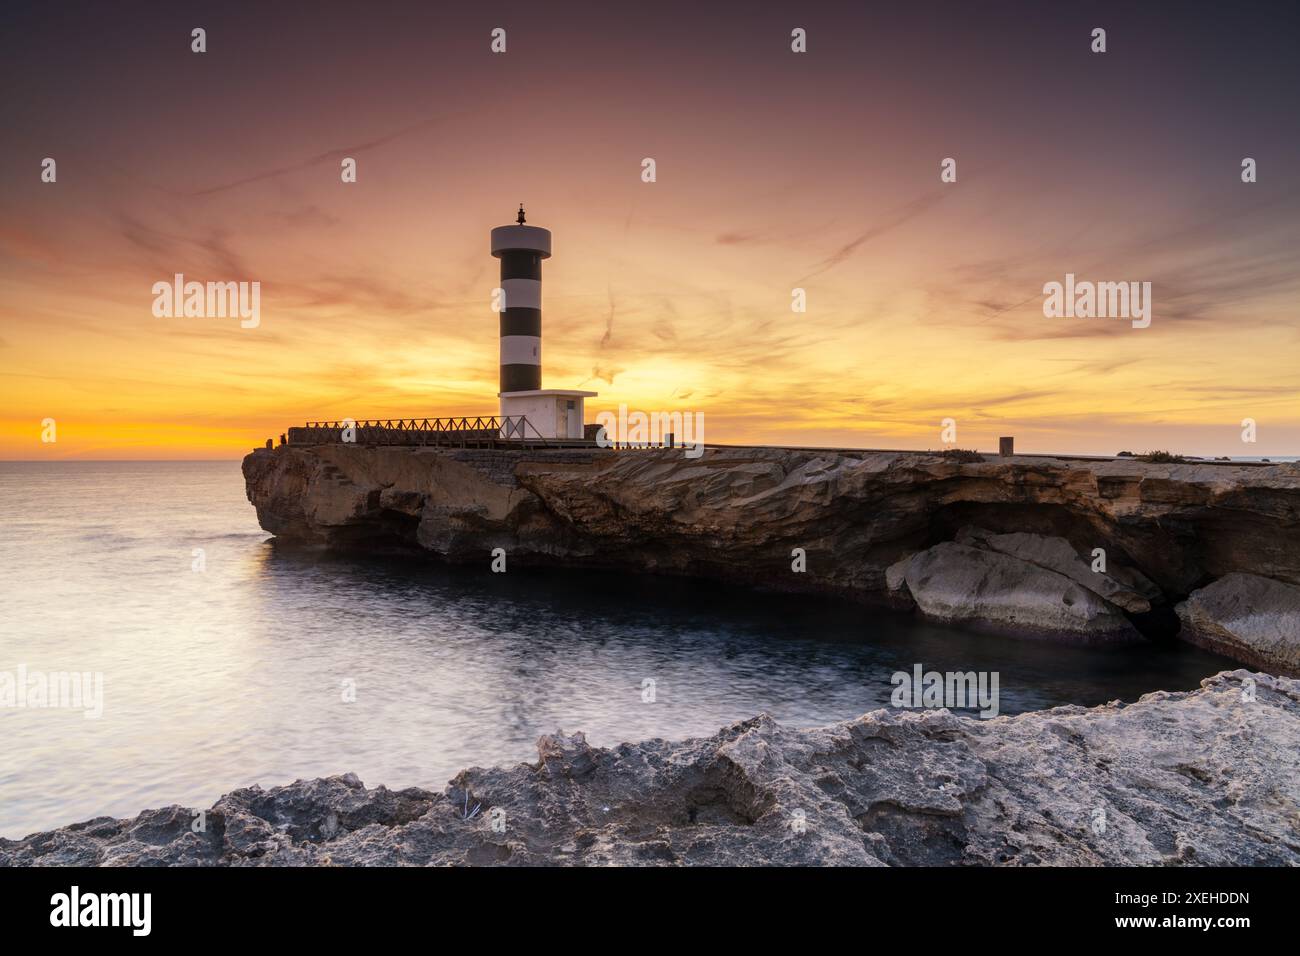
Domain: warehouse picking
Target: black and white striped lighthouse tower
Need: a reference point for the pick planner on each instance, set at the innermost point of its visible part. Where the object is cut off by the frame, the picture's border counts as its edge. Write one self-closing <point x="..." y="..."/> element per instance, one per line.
<point x="527" y="409"/>
<point x="521" y="249"/>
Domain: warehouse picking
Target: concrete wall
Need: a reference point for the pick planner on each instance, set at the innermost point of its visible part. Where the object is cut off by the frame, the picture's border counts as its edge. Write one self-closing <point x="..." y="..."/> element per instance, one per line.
<point x="538" y="409"/>
<point x="546" y="413"/>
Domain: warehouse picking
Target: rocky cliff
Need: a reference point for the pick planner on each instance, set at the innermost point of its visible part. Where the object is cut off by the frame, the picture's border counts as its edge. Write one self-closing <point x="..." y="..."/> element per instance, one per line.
<point x="1083" y="549"/>
<point x="1209" y="777"/>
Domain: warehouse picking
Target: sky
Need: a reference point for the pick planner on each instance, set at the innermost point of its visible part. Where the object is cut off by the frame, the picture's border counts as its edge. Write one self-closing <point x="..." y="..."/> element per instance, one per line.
<point x="775" y="170"/>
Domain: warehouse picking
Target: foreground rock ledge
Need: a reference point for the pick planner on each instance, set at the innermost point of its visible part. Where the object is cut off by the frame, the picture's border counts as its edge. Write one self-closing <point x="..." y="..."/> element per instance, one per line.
<point x="1211" y="776"/>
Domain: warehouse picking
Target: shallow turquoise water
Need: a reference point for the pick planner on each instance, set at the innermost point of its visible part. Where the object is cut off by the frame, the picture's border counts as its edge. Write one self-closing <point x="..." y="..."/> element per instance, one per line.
<point x="235" y="674"/>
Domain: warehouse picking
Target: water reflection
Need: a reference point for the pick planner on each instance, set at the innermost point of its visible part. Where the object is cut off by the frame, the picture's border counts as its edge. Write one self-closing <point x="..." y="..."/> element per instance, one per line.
<point x="239" y="674"/>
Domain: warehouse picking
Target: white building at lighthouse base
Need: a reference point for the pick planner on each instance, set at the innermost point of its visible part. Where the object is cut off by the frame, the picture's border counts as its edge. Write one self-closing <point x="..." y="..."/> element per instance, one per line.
<point x="551" y="413"/>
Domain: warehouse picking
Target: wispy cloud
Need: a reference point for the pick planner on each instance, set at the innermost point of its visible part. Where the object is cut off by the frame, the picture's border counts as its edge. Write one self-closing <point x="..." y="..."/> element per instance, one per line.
<point x="333" y="156"/>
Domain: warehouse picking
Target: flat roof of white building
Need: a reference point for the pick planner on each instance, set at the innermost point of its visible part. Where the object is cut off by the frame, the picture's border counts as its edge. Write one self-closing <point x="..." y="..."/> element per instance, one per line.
<point x="539" y="392"/>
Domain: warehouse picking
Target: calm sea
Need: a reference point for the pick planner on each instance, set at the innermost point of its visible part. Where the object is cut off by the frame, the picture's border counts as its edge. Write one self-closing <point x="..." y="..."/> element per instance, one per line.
<point x="237" y="673"/>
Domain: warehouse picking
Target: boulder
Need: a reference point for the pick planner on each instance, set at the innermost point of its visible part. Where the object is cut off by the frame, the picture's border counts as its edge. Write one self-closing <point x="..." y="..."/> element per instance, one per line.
<point x="1249" y="618"/>
<point x="1057" y="554"/>
<point x="959" y="583"/>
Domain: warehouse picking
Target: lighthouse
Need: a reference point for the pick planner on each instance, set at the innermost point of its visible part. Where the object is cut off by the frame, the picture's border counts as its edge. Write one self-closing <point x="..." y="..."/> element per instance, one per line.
<point x="551" y="413"/>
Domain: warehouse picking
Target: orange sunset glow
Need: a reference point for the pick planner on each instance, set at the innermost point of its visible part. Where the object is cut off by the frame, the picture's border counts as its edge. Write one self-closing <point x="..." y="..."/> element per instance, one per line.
<point x="924" y="298"/>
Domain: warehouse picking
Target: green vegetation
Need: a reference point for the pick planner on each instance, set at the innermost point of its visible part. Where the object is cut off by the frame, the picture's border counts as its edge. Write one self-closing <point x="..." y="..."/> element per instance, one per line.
<point x="1162" y="458"/>
<point x="960" y="454"/>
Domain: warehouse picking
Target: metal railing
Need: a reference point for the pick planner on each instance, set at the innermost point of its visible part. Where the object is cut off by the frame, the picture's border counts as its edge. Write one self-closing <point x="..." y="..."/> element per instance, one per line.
<point x="483" y="431"/>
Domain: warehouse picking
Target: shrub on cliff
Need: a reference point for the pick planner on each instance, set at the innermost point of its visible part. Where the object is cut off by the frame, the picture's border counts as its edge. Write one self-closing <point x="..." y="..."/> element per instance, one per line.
<point x="960" y="454"/>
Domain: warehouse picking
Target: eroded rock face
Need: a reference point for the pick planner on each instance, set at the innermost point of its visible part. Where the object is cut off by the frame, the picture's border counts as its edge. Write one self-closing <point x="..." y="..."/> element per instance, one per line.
<point x="1210" y="777"/>
<point x="738" y="514"/>
<point x="1248" y="618"/>
<point x="245" y="826"/>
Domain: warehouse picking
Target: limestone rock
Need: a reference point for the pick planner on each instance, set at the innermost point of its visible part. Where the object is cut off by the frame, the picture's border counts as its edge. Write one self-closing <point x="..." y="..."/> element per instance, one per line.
<point x="1057" y="554"/>
<point x="1248" y="618"/>
<point x="956" y="582"/>
<point x="1208" y="777"/>
<point x="736" y="514"/>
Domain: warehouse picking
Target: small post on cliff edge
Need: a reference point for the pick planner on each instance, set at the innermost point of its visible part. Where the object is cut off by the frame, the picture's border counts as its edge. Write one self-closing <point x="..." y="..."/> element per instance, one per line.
<point x="1006" y="447"/>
